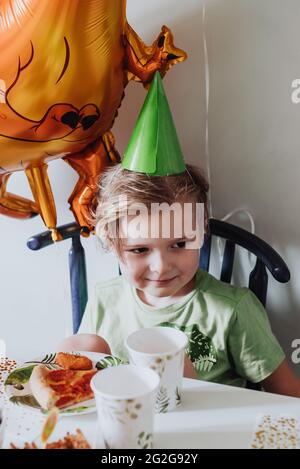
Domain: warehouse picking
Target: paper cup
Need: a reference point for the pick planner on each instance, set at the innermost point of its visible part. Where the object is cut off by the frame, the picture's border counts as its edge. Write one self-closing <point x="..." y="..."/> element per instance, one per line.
<point x="125" y="399"/>
<point x="162" y="350"/>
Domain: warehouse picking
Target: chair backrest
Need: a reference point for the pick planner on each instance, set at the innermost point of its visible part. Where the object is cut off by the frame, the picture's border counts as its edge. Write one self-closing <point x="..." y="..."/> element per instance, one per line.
<point x="266" y="257"/>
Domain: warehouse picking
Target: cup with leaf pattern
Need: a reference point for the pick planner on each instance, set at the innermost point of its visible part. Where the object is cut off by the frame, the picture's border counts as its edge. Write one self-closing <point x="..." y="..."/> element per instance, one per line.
<point x="162" y="350"/>
<point x="125" y="400"/>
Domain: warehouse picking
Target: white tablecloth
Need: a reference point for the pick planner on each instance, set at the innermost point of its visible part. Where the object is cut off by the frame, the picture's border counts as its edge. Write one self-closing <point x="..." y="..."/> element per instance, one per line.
<point x="210" y="416"/>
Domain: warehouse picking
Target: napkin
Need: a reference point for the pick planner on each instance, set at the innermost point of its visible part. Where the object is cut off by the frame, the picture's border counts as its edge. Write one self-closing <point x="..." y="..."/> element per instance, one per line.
<point x="276" y="432"/>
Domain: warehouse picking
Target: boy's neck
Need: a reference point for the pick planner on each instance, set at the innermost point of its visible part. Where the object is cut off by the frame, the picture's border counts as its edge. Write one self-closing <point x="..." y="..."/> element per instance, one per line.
<point x="161" y="302"/>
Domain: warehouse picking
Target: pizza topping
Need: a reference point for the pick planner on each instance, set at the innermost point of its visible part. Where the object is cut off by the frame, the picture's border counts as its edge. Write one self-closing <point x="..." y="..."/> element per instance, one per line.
<point x="60" y="388"/>
<point x="65" y="400"/>
<point x="59" y="375"/>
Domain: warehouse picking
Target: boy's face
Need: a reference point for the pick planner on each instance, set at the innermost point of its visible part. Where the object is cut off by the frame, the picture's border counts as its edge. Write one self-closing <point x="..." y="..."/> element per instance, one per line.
<point x="164" y="263"/>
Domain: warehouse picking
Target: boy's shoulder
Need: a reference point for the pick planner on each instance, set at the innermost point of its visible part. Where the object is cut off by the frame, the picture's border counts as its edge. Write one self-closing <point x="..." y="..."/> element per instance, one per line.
<point x="115" y="283"/>
<point x="112" y="292"/>
<point x="221" y="298"/>
<point x="210" y="286"/>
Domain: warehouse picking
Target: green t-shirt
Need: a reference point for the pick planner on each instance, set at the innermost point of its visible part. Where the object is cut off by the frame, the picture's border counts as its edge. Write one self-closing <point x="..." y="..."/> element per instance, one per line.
<point x="230" y="339"/>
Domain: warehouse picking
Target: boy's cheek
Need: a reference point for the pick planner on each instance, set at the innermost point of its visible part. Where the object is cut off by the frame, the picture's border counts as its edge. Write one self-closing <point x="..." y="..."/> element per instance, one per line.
<point x="189" y="261"/>
<point x="197" y="243"/>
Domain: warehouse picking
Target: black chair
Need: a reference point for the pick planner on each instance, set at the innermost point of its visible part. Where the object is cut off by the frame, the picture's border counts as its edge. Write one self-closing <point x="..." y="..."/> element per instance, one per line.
<point x="267" y="258"/>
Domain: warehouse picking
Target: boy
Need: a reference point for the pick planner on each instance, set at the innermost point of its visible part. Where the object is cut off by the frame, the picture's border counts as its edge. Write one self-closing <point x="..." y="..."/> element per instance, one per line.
<point x="230" y="340"/>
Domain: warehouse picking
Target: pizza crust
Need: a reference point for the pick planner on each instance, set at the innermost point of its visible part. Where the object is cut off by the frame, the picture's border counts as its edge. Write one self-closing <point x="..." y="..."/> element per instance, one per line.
<point x="42" y="392"/>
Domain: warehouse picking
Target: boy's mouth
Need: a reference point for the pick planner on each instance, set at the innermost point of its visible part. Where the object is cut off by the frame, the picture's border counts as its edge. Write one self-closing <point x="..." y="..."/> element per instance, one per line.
<point x="162" y="282"/>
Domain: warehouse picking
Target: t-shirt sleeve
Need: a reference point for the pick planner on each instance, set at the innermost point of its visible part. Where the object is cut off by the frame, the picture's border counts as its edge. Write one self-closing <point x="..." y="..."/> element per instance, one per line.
<point x="254" y="349"/>
<point x="92" y="317"/>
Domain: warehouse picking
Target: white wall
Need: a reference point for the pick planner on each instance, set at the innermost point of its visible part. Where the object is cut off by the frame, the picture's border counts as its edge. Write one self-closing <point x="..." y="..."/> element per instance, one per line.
<point x="254" y="55"/>
<point x="254" y="144"/>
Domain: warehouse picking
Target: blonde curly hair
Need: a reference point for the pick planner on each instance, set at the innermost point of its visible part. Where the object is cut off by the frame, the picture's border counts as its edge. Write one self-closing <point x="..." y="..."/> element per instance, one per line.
<point x="118" y="184"/>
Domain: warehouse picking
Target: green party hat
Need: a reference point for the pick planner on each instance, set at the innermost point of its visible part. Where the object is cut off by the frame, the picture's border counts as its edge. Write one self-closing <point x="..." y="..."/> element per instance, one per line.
<point x="154" y="147"/>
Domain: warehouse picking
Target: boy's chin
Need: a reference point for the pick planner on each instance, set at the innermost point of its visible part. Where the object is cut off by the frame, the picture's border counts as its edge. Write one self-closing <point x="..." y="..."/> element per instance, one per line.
<point x="160" y="292"/>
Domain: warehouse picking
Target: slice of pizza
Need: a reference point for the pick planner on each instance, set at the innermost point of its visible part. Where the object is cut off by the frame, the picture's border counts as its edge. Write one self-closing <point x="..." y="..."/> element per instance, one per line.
<point x="60" y="388"/>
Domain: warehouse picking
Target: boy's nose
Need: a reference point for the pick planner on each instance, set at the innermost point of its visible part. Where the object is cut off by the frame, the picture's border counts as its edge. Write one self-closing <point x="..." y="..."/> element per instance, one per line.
<point x="159" y="264"/>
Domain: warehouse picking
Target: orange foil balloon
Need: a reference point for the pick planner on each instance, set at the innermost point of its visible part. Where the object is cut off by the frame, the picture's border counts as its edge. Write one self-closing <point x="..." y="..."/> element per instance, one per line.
<point x="64" y="65"/>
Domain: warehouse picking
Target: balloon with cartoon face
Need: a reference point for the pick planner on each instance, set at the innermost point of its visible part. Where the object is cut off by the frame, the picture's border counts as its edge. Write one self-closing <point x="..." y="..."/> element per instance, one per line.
<point x="64" y="66"/>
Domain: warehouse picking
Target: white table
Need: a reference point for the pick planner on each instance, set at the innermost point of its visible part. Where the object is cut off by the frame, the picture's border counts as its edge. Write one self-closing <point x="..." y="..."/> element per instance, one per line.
<point x="211" y="416"/>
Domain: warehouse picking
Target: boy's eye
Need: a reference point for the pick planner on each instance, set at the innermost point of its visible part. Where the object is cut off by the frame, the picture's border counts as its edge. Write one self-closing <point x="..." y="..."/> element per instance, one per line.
<point x="139" y="250"/>
<point x="180" y="244"/>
